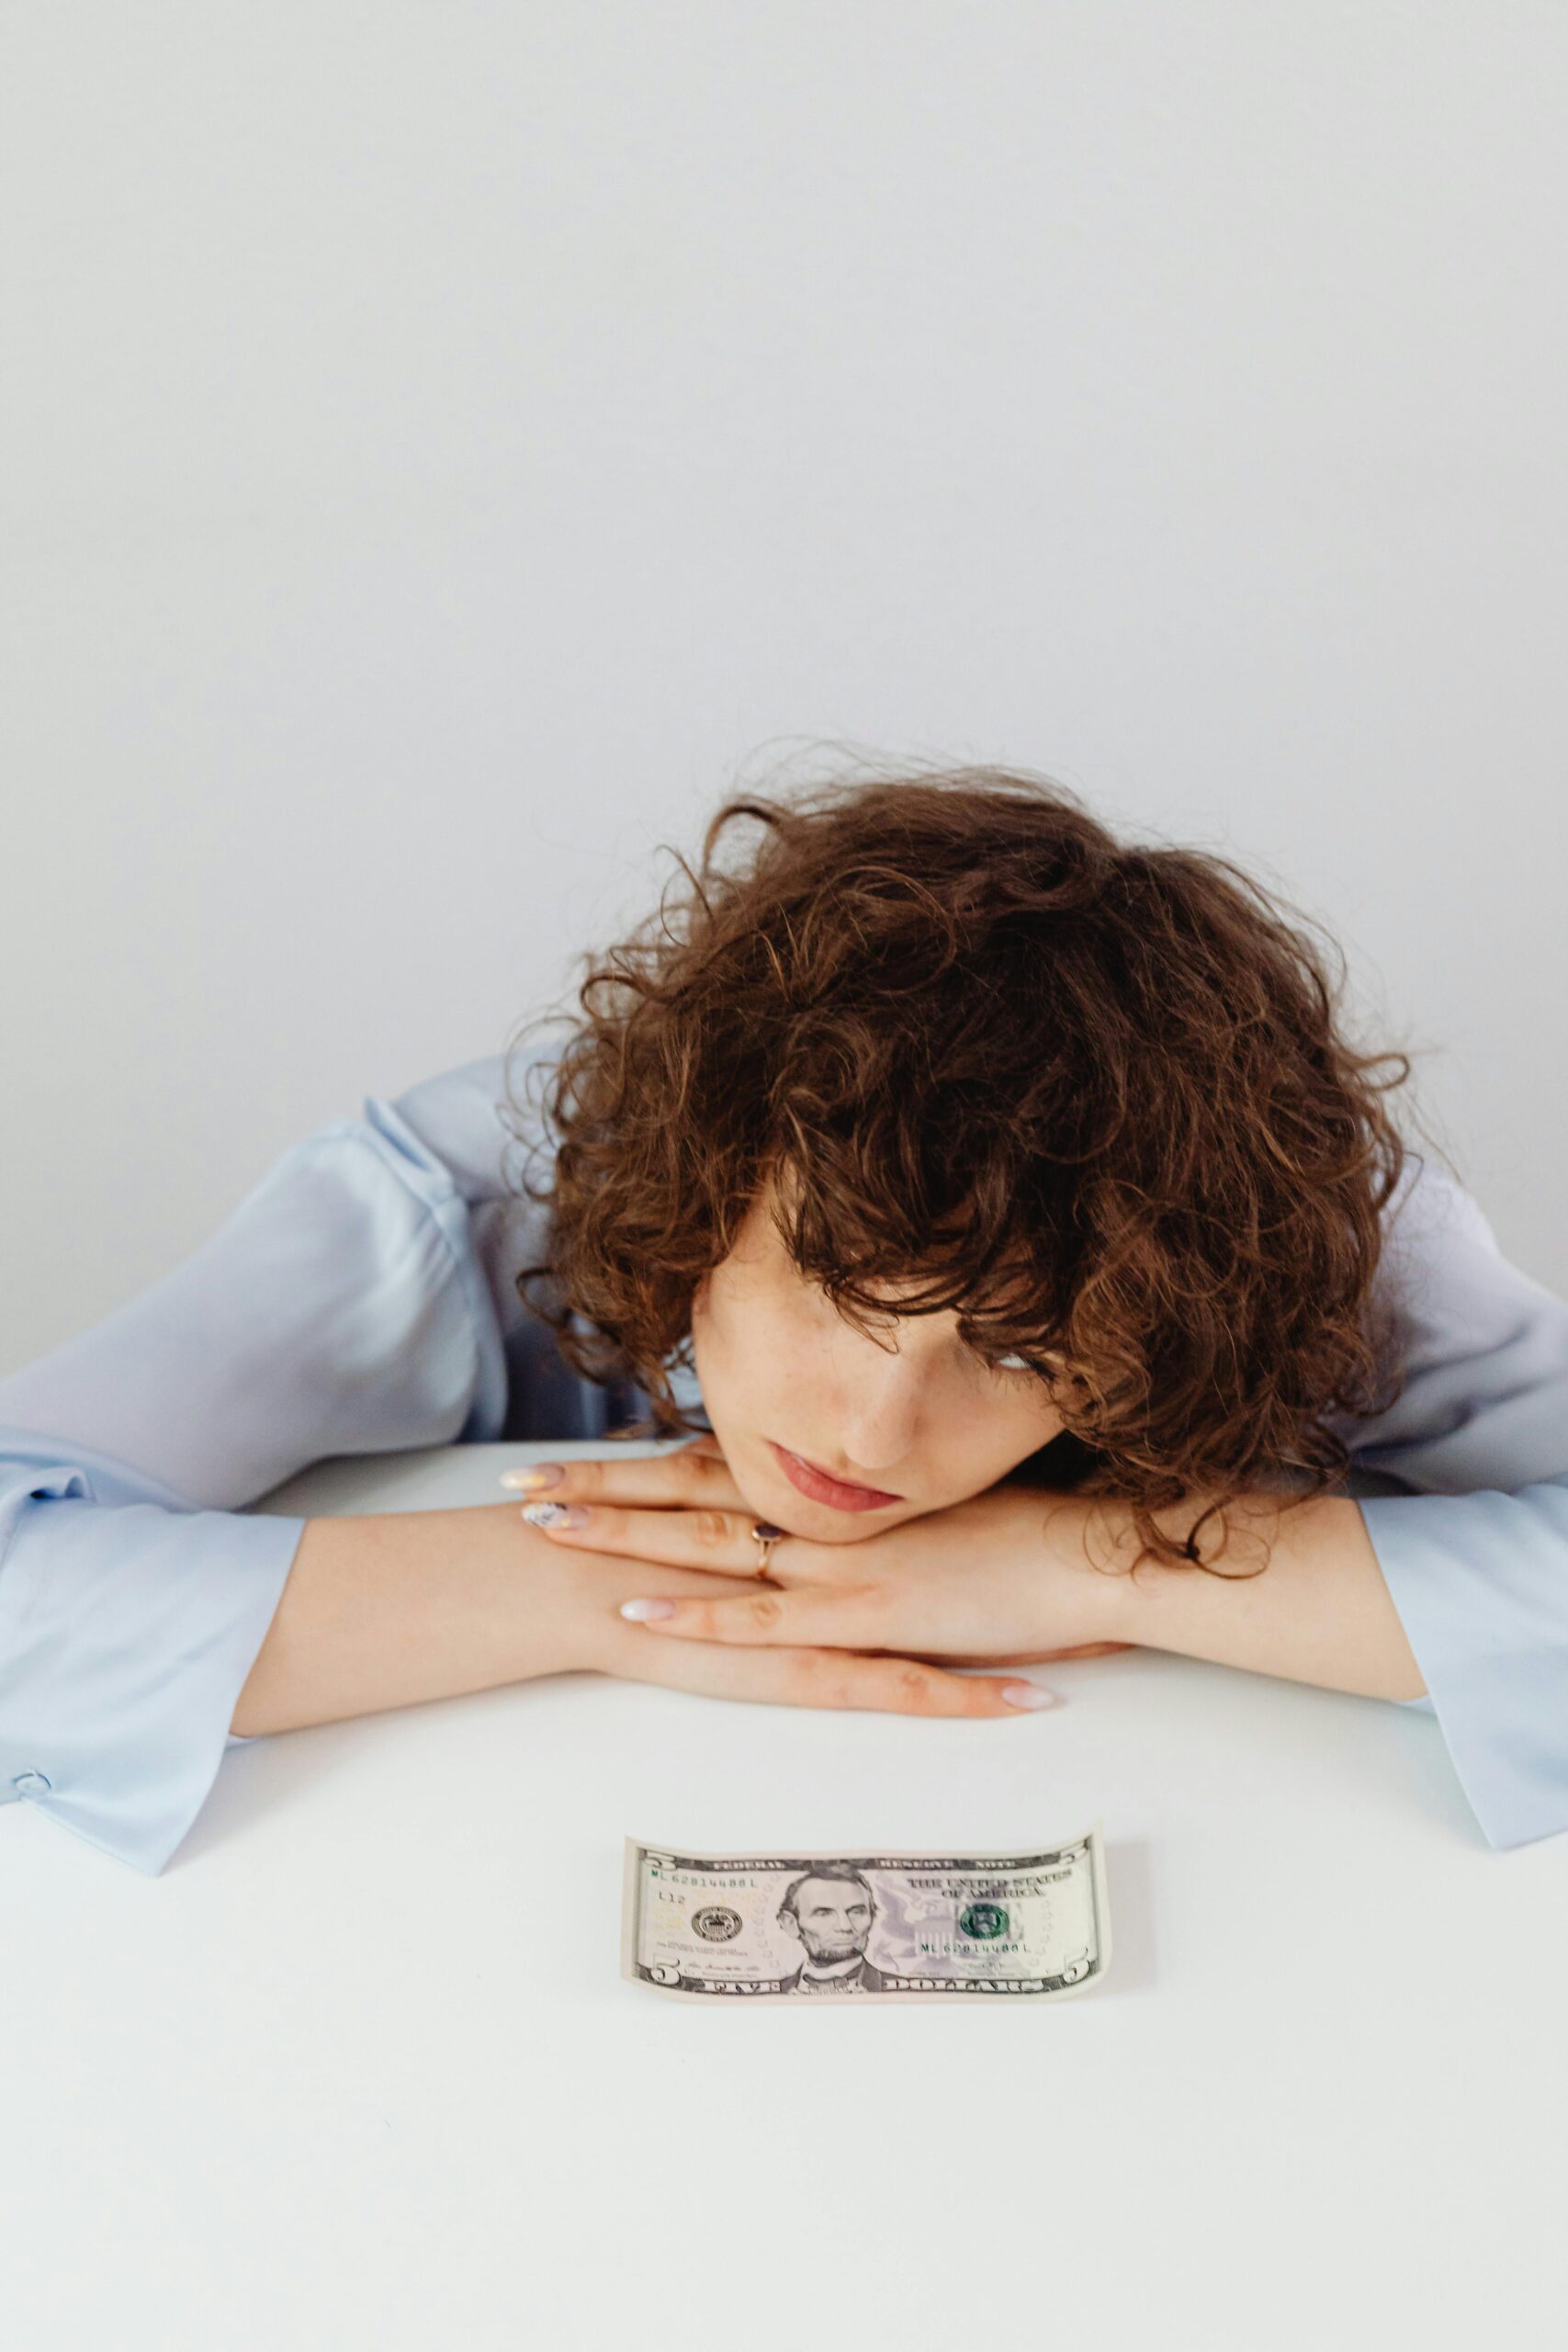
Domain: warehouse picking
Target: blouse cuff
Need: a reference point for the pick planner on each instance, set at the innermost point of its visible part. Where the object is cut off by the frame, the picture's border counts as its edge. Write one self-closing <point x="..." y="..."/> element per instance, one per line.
<point x="127" y="1634"/>
<point x="1481" y="1584"/>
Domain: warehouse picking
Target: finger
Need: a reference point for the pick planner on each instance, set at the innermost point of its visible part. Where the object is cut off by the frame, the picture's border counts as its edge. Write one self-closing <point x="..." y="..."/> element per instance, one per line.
<point x="1090" y="1649"/>
<point x="818" y="1678"/>
<point x="691" y="1475"/>
<point x="842" y="1620"/>
<point x="1040" y="1657"/>
<point x="713" y="1540"/>
<point x="720" y="1542"/>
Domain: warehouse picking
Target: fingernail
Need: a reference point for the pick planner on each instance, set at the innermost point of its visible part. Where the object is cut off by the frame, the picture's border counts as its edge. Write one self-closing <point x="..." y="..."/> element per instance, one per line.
<point x="641" y="1610"/>
<point x="1028" y="1694"/>
<point x="541" y="1474"/>
<point x="557" y="1514"/>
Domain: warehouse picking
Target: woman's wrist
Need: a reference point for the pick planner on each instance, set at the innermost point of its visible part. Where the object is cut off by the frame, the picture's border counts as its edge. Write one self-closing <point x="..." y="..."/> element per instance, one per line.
<point x="1071" y="1603"/>
<point x="1296" y="1592"/>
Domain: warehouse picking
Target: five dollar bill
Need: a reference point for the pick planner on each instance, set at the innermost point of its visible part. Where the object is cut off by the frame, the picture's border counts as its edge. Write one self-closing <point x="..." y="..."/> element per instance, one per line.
<point x="896" y="1926"/>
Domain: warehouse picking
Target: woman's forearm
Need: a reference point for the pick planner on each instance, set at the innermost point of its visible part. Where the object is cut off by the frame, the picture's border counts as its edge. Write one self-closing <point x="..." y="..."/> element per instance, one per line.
<point x="395" y="1608"/>
<point x="1320" y="1610"/>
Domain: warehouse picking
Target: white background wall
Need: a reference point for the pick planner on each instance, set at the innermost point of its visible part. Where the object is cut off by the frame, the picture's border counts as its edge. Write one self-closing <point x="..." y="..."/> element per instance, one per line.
<point x="448" y="446"/>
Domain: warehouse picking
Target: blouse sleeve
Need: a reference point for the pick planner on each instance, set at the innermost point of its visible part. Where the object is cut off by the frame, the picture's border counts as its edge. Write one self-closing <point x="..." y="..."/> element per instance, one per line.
<point x="1469" y="1512"/>
<point x="347" y="1305"/>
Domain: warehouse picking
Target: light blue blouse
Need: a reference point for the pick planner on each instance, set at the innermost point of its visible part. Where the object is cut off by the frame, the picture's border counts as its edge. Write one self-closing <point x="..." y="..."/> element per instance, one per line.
<point x="360" y="1300"/>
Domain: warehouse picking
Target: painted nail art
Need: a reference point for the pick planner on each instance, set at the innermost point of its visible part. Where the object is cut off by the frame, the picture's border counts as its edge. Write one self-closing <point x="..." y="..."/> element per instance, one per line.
<point x="556" y="1514"/>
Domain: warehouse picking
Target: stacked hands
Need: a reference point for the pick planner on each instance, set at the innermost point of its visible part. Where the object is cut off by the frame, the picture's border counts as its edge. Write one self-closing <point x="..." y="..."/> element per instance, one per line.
<point x="1000" y="1580"/>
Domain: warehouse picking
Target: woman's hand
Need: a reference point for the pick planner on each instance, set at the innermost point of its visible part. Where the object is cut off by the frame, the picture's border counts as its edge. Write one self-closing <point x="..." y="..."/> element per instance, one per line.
<point x="980" y="1583"/>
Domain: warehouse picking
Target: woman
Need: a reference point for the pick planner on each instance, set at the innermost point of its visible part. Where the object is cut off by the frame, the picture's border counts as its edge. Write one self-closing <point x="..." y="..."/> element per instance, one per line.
<point x="999" y="1204"/>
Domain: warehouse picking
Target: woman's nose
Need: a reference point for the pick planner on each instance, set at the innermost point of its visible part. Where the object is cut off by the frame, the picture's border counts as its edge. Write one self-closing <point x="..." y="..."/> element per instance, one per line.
<point x="880" y="1411"/>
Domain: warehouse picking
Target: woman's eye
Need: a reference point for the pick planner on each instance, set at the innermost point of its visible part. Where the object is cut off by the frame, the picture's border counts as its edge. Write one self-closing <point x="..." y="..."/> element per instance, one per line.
<point x="1011" y="1364"/>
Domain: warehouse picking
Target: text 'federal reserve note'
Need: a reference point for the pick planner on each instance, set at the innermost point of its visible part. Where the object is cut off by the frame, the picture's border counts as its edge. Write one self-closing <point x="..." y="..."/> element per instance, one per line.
<point x="868" y="1927"/>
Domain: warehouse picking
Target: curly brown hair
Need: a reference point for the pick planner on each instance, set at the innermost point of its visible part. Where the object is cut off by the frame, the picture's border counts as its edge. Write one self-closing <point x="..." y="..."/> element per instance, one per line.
<point x="1092" y="1095"/>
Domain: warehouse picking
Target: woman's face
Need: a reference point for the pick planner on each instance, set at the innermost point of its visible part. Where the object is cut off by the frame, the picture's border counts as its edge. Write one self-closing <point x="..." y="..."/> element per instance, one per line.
<point x="912" y="1411"/>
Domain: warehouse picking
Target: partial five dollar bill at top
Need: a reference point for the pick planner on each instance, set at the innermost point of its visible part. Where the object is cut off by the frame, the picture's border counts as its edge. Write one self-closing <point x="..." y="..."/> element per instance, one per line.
<point x="868" y="1927"/>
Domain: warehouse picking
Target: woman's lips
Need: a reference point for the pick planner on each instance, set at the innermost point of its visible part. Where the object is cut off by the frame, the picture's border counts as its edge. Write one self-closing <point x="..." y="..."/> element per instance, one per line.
<point x="816" y="1484"/>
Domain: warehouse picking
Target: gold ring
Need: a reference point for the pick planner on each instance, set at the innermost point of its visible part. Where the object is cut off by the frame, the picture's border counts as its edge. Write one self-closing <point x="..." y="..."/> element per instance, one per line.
<point x="767" y="1535"/>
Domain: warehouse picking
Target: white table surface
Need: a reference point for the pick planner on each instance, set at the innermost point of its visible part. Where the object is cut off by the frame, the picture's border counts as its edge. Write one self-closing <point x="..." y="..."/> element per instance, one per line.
<point x="359" y="2069"/>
